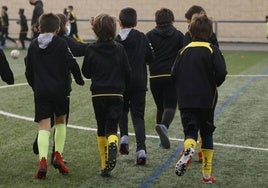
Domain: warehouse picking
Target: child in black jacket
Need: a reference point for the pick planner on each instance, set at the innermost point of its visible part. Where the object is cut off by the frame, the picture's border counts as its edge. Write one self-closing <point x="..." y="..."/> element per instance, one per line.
<point x="198" y="71"/>
<point x="191" y="12"/>
<point x="166" y="41"/>
<point x="106" y="63"/>
<point x="139" y="52"/>
<point x="78" y="49"/>
<point x="49" y="62"/>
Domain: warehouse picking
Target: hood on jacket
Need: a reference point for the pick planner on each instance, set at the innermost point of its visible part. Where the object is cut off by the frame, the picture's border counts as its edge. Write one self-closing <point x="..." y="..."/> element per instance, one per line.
<point x="123" y="33"/>
<point x="165" y="30"/>
<point x="44" y="39"/>
<point x="106" y="48"/>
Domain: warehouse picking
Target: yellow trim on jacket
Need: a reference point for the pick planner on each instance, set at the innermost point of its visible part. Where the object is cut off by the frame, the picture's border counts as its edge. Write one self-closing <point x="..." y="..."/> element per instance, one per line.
<point x="107" y="95"/>
<point x="197" y="44"/>
<point x="160" y="75"/>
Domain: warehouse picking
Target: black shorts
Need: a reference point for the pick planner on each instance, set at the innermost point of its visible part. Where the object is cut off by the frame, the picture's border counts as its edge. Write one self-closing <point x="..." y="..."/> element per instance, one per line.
<point x="47" y="108"/>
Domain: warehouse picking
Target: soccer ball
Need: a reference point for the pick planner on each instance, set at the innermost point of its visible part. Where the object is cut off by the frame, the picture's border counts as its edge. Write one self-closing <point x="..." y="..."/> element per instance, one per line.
<point x="15" y="54"/>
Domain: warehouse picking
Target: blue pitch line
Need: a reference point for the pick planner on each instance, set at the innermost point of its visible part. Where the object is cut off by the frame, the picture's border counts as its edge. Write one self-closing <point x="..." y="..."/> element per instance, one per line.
<point x="237" y="93"/>
<point x="161" y="169"/>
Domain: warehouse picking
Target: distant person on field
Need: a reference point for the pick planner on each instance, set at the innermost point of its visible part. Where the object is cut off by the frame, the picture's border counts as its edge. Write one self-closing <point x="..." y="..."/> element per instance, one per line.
<point x="49" y="62"/>
<point x="4" y="27"/>
<point x="139" y="52"/>
<point x="23" y="28"/>
<point x="194" y="11"/>
<point x="198" y="70"/>
<point x="37" y="12"/>
<point x="5" y="71"/>
<point x="106" y="64"/>
<point x="166" y="41"/>
<point x="73" y="22"/>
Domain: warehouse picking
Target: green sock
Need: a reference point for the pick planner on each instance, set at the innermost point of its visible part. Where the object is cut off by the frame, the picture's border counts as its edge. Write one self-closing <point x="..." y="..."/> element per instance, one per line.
<point x="59" y="138"/>
<point x="43" y="143"/>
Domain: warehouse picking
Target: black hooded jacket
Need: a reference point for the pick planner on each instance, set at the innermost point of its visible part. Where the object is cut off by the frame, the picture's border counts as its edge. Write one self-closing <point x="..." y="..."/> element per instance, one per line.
<point x="139" y="53"/>
<point x="199" y="69"/>
<point x="166" y="41"/>
<point x="48" y="70"/>
<point x="106" y="63"/>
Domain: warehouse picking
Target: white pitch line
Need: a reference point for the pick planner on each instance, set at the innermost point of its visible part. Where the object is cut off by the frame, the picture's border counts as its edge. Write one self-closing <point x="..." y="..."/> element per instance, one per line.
<point x="15" y="85"/>
<point x="132" y="134"/>
<point x="247" y="75"/>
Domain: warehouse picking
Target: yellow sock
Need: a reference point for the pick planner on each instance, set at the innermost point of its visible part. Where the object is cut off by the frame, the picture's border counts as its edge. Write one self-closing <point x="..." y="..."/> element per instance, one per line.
<point x="113" y="138"/>
<point x="60" y="136"/>
<point x="102" y="145"/>
<point x="189" y="143"/>
<point x="43" y="143"/>
<point x="199" y="142"/>
<point x="207" y="161"/>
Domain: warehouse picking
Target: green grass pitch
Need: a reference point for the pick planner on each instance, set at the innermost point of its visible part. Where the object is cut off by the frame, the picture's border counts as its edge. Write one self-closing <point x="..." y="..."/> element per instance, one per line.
<point x="241" y="137"/>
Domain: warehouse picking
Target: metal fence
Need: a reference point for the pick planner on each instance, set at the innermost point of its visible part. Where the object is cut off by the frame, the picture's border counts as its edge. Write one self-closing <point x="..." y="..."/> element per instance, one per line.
<point x="226" y="30"/>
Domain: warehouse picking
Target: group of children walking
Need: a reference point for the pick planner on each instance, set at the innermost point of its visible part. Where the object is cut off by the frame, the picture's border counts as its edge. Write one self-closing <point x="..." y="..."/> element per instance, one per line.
<point x="183" y="74"/>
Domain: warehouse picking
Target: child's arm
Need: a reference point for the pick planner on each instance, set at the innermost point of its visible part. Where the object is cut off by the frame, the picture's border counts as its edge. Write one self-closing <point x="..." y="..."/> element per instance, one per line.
<point x="28" y="71"/>
<point x="174" y="68"/>
<point x="74" y="67"/>
<point x="86" y="67"/>
<point x="78" y="49"/>
<point x="5" y="71"/>
<point x="126" y="66"/>
<point x="219" y="66"/>
<point x="150" y="55"/>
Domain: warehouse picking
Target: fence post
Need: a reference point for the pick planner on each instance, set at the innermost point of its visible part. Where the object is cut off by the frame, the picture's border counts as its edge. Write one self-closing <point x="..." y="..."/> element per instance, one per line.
<point x="216" y="28"/>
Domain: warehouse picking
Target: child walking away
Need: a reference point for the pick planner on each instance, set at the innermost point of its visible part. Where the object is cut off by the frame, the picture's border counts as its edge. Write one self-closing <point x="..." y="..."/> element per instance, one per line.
<point x="191" y="12"/>
<point x="49" y="62"/>
<point x="4" y="21"/>
<point x="166" y="41"/>
<point x="139" y="52"/>
<point x="78" y="49"/>
<point x="106" y="64"/>
<point x="23" y="28"/>
<point x="5" y="71"/>
<point x="198" y="70"/>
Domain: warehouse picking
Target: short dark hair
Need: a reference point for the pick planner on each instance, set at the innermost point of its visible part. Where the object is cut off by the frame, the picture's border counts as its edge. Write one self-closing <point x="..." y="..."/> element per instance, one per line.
<point x="70" y="7"/>
<point x="195" y="9"/>
<point x="49" y="23"/>
<point x="104" y="26"/>
<point x="21" y="11"/>
<point x="128" y="17"/>
<point x="5" y="8"/>
<point x="201" y="27"/>
<point x="164" y="16"/>
<point x="63" y="21"/>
